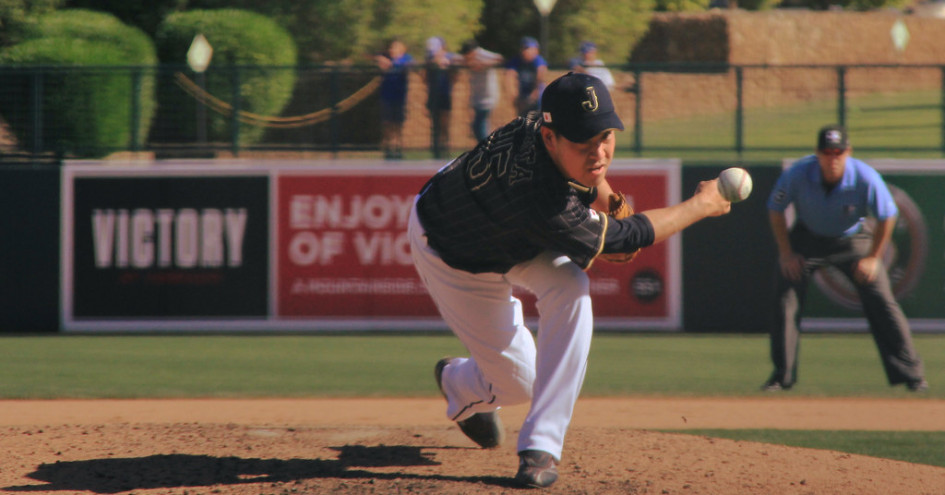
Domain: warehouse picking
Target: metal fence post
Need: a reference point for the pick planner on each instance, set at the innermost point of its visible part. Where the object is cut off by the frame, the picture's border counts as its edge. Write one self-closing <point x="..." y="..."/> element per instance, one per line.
<point x="739" y="112"/>
<point x="235" y="118"/>
<point x="333" y="132"/>
<point x="942" y="103"/>
<point x="135" y="108"/>
<point x="432" y="75"/>
<point x="201" y="113"/>
<point x="37" y="111"/>
<point x="638" y="113"/>
<point x="842" y="95"/>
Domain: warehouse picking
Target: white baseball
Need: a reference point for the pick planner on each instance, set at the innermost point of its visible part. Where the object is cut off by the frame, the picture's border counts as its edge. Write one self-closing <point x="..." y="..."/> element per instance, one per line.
<point x="735" y="184"/>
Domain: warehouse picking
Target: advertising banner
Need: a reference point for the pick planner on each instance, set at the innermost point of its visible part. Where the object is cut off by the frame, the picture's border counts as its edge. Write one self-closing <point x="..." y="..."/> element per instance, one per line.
<point x="296" y="245"/>
<point x="646" y="293"/>
<point x="163" y="244"/>
<point x="343" y="255"/>
<point x="914" y="259"/>
<point x="342" y="249"/>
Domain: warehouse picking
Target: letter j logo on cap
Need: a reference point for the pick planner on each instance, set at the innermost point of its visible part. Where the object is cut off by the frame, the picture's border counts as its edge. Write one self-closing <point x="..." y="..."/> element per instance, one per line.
<point x="590" y="104"/>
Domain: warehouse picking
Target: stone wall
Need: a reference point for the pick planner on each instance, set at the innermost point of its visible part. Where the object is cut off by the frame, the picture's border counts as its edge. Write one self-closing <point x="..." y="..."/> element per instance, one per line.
<point x="779" y="38"/>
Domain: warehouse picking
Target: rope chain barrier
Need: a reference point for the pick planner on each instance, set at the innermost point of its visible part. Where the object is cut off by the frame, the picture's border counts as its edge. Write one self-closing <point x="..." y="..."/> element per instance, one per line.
<point x="212" y="102"/>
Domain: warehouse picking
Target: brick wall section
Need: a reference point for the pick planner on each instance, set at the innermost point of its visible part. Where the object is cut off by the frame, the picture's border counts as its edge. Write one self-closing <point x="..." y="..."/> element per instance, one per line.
<point x="782" y="37"/>
<point x="779" y="37"/>
<point x="801" y="37"/>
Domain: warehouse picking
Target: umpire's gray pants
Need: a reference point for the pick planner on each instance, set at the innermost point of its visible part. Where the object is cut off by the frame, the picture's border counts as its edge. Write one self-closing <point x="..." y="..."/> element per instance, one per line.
<point x="887" y="322"/>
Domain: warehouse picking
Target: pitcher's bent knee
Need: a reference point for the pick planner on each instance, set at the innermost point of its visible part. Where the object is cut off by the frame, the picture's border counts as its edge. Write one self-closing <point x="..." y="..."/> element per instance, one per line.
<point x="516" y="387"/>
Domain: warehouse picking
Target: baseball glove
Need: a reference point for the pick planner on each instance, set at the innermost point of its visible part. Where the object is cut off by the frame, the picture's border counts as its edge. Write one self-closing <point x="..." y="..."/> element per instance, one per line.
<point x="619" y="208"/>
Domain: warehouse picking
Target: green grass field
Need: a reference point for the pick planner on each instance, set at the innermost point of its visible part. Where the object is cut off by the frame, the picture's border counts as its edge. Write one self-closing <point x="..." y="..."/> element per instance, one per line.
<point x="388" y="365"/>
<point x="879" y="123"/>
<point x="385" y="365"/>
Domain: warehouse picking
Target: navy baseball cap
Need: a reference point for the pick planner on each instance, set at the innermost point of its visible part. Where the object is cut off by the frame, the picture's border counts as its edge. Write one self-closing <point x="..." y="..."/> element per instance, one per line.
<point x="578" y="106"/>
<point x="833" y="137"/>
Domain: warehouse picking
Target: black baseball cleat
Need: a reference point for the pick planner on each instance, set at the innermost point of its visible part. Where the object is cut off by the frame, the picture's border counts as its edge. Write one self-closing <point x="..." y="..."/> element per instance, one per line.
<point x="536" y="469"/>
<point x="919" y="385"/>
<point x="483" y="428"/>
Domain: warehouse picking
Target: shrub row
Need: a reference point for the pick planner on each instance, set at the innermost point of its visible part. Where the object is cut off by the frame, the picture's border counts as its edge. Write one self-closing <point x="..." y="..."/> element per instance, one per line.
<point x="97" y="93"/>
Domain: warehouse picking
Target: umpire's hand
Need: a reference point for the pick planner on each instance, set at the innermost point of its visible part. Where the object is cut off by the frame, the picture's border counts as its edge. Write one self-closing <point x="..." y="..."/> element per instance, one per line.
<point x="792" y="266"/>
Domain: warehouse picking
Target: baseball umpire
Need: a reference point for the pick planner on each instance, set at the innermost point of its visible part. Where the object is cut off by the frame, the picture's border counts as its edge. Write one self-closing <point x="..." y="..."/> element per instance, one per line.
<point x="833" y="194"/>
<point x="521" y="209"/>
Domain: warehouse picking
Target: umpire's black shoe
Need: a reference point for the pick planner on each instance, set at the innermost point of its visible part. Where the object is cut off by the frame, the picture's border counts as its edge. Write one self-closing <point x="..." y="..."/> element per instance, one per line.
<point x="919" y="385"/>
<point x="483" y="428"/>
<point x="536" y="469"/>
<point x="775" y="386"/>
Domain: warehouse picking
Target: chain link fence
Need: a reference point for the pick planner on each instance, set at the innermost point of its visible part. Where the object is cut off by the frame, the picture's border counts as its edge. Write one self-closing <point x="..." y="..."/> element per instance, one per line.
<point x="726" y="110"/>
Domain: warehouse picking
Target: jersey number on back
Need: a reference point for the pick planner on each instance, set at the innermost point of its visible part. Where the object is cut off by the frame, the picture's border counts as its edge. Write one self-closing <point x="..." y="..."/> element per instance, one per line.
<point x="495" y="161"/>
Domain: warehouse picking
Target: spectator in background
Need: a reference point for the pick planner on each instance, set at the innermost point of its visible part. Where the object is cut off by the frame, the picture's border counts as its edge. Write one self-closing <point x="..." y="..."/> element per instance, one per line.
<point x="588" y="63"/>
<point x="525" y="77"/>
<point x="439" y="74"/>
<point x="395" y="63"/>
<point x="483" y="85"/>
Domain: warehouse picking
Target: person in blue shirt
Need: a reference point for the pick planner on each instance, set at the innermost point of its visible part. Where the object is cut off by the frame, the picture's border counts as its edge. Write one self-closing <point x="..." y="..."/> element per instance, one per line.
<point x="525" y="77"/>
<point x="395" y="63"/>
<point x="439" y="74"/>
<point x="833" y="195"/>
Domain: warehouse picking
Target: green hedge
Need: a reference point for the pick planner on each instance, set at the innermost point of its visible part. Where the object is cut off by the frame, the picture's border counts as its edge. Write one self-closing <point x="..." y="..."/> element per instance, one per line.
<point x="87" y="105"/>
<point x="241" y="40"/>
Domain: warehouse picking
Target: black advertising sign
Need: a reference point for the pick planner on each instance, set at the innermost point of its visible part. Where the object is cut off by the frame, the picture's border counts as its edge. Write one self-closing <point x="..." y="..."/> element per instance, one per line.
<point x="167" y="245"/>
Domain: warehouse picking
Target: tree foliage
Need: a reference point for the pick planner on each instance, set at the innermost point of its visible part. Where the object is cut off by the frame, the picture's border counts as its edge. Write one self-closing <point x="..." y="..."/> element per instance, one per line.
<point x="138" y="48"/>
<point x="875" y="4"/>
<point x="323" y="29"/>
<point x="415" y="21"/>
<point x="334" y="30"/>
<point x="757" y="5"/>
<point x="681" y="5"/>
<point x="87" y="112"/>
<point x="144" y="14"/>
<point x="614" y="25"/>
<point x="860" y="5"/>
<point x="239" y="38"/>
<point x="15" y="15"/>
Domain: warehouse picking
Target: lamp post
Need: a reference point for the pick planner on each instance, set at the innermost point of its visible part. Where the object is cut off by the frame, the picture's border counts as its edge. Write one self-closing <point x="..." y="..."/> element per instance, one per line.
<point x="198" y="58"/>
<point x="544" y="8"/>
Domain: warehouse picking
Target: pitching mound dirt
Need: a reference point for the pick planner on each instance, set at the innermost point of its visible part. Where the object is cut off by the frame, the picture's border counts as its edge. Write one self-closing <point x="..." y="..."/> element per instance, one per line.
<point x="405" y="446"/>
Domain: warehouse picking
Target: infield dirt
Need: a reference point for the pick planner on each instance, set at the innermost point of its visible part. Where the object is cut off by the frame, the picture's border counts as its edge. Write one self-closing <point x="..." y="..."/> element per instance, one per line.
<point x="290" y="446"/>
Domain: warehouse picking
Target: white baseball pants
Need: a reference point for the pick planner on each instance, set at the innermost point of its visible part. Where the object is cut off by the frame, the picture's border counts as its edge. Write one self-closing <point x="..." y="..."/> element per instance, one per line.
<point x="505" y="367"/>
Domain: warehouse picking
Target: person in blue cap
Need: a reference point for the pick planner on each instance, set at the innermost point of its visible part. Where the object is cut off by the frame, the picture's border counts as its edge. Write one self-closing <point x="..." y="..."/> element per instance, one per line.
<point x="588" y="63"/>
<point x="525" y="76"/>
<point x="395" y="63"/>
<point x="439" y="73"/>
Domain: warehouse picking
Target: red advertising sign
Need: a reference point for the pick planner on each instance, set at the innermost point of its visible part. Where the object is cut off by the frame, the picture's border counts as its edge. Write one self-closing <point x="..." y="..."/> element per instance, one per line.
<point x="647" y="287"/>
<point x="342" y="244"/>
<point x="342" y="250"/>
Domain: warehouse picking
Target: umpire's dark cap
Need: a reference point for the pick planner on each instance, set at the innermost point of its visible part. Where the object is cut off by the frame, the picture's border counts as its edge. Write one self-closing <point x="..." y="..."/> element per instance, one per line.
<point x="833" y="137"/>
<point x="578" y="106"/>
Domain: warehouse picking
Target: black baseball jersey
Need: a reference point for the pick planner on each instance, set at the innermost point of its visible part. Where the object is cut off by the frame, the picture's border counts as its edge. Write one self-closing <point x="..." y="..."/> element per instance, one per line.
<point x="505" y="201"/>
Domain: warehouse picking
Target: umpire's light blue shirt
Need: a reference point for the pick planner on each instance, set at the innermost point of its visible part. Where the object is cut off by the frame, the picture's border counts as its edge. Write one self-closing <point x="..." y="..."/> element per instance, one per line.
<point x="839" y="212"/>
